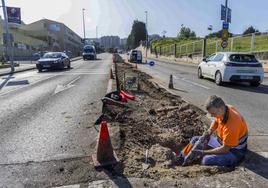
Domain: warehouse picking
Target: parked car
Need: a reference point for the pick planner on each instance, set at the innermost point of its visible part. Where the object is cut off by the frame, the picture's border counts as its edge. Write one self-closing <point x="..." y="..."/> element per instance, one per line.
<point x="232" y="67"/>
<point x="53" y="60"/>
<point x="135" y="56"/>
<point x="89" y="52"/>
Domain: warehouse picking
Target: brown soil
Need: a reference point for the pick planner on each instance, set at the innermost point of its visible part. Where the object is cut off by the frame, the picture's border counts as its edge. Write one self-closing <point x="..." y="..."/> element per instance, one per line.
<point x="162" y="123"/>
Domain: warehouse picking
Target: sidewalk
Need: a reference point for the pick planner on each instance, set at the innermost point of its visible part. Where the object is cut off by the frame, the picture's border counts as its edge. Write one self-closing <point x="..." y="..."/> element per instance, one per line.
<point x="25" y="66"/>
<point x="20" y="68"/>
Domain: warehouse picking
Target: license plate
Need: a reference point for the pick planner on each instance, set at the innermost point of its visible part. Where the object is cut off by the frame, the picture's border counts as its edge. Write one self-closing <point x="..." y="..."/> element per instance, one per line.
<point x="46" y="66"/>
<point x="246" y="77"/>
<point x="246" y="71"/>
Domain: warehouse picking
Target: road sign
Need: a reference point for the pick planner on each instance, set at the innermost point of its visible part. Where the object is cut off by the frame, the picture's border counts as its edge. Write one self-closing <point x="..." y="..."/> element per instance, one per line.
<point x="225" y="25"/>
<point x="223" y="12"/>
<point x="225" y="34"/>
<point x="224" y="44"/>
<point x="13" y="14"/>
<point x="229" y="15"/>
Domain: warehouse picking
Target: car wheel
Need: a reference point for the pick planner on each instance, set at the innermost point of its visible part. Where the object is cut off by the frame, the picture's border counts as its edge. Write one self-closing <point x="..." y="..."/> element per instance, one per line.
<point x="200" y="73"/>
<point x="62" y="65"/>
<point x="254" y="84"/>
<point x="218" y="78"/>
<point x="39" y="70"/>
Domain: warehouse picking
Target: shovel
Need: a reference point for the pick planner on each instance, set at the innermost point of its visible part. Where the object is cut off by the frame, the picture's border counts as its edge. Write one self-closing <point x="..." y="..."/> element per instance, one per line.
<point x="146" y="165"/>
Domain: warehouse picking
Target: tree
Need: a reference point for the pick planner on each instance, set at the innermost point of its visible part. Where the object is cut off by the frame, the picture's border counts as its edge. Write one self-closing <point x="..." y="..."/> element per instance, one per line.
<point x="138" y="33"/>
<point x="250" y="30"/>
<point x="186" y="33"/>
<point x="217" y="34"/>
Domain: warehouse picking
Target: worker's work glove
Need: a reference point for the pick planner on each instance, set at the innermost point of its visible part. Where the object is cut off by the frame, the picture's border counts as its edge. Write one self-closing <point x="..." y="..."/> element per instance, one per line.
<point x="206" y="136"/>
<point x="198" y="153"/>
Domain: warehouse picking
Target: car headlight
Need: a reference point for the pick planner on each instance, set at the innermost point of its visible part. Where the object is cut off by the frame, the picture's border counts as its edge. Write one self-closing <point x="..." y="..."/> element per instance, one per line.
<point x="57" y="61"/>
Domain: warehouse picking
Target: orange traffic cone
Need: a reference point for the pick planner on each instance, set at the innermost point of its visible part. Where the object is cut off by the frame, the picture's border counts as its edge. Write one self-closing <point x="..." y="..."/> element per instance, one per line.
<point x="111" y="74"/>
<point x="105" y="155"/>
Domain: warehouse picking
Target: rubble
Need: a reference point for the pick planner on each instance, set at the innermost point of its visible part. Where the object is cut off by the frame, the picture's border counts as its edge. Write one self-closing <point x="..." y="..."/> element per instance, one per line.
<point x="162" y="123"/>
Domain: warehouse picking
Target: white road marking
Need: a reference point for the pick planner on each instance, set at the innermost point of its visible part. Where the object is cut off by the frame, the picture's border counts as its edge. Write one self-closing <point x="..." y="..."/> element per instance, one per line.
<point x="5" y="93"/>
<point x="74" y="80"/>
<point x="51" y="75"/>
<point x="190" y="82"/>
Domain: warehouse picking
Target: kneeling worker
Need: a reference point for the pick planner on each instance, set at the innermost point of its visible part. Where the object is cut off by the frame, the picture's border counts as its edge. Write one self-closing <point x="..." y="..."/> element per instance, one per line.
<point x="230" y="145"/>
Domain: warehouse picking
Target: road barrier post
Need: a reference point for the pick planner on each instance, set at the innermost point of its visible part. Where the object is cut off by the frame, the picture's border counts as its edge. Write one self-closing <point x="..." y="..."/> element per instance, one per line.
<point x="170" y="85"/>
<point x="252" y="42"/>
<point x="175" y="50"/>
<point x="204" y="53"/>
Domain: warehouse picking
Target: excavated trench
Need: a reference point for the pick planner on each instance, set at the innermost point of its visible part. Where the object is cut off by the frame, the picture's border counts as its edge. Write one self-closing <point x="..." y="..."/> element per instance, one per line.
<point x="161" y="123"/>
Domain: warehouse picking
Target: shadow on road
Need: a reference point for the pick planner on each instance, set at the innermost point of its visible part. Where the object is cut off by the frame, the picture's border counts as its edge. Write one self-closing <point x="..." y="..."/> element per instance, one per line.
<point x="118" y="179"/>
<point x="17" y="83"/>
<point x="256" y="163"/>
<point x="56" y="70"/>
<point x="6" y="79"/>
<point x="263" y="89"/>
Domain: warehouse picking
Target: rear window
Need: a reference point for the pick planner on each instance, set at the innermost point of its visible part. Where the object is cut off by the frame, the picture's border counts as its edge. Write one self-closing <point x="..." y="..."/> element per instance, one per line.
<point x="242" y="58"/>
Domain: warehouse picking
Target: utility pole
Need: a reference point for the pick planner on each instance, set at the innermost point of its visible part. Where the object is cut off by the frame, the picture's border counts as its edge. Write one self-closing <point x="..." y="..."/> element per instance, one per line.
<point x="96" y="32"/>
<point x="146" y="13"/>
<point x="226" y="7"/>
<point x="83" y="11"/>
<point x="8" y="42"/>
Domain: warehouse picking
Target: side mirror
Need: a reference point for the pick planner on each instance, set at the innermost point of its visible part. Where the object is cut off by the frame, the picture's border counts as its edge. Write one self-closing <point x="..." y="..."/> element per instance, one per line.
<point x="205" y="59"/>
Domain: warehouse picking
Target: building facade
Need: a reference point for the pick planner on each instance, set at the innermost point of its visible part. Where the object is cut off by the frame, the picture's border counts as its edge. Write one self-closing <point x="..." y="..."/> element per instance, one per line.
<point x="110" y="42"/>
<point x="58" y="36"/>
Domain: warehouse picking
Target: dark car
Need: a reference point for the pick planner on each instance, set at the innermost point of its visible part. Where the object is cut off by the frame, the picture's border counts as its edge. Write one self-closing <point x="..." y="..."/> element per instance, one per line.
<point x="53" y="60"/>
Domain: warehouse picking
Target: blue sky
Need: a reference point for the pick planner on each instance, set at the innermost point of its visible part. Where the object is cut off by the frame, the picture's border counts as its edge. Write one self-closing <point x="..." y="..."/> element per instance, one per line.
<point x="115" y="17"/>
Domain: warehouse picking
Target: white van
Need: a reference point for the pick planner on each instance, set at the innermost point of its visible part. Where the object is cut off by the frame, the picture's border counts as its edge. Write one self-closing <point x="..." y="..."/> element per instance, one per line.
<point x="135" y="56"/>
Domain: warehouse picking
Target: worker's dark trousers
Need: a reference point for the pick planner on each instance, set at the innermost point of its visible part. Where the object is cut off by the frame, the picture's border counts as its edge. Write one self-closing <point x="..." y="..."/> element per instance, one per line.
<point x="226" y="159"/>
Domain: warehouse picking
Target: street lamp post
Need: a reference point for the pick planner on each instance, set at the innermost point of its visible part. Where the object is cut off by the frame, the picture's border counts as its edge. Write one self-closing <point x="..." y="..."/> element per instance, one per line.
<point x="8" y="40"/>
<point x="226" y="7"/>
<point x="146" y="14"/>
<point x="83" y="12"/>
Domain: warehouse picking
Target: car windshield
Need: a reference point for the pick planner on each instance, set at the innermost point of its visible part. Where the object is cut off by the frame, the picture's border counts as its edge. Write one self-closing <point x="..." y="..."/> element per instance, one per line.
<point x="52" y="55"/>
<point x="243" y="58"/>
<point x="88" y="50"/>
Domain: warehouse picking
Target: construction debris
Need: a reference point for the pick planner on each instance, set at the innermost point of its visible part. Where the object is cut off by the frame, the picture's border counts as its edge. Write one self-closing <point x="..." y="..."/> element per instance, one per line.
<point x="162" y="124"/>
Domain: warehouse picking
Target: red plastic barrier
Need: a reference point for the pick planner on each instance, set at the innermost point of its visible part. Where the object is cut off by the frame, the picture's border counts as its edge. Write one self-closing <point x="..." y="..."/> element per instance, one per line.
<point x="124" y="99"/>
<point x="128" y="96"/>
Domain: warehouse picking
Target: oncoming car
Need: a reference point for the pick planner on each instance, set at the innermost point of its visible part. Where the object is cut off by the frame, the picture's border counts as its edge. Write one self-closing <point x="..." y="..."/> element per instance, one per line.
<point x="232" y="67"/>
<point x="53" y="60"/>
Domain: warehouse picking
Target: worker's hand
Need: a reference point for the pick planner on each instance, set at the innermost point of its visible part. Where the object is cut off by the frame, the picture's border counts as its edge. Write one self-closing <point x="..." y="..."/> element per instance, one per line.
<point x="198" y="152"/>
<point x="206" y="136"/>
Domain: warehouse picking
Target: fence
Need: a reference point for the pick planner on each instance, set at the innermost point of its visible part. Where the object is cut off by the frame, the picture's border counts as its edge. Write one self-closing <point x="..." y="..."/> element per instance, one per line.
<point x="256" y="42"/>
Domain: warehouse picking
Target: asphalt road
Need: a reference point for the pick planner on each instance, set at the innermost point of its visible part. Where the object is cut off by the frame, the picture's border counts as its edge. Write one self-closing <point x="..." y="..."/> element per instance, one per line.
<point x="250" y="101"/>
<point x="49" y="115"/>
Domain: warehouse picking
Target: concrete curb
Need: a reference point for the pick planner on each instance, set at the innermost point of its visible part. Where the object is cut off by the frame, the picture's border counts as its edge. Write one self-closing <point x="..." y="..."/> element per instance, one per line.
<point x="32" y="68"/>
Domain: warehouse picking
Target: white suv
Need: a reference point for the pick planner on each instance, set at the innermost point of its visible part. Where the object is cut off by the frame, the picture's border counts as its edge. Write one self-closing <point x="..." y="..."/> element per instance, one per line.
<point x="232" y="67"/>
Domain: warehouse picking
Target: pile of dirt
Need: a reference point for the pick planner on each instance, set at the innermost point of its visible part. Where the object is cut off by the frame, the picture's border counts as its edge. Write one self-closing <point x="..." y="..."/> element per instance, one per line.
<point x="161" y="123"/>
